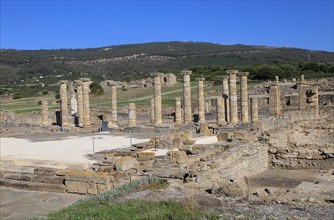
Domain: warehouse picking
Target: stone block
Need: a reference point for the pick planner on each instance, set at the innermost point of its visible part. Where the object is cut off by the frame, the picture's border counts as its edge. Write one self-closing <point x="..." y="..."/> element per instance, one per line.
<point x="91" y="188"/>
<point x="204" y="130"/>
<point x="232" y="188"/>
<point x="18" y="176"/>
<point x="178" y="142"/>
<point x="126" y="163"/>
<point x="241" y="134"/>
<point x="101" y="188"/>
<point x="48" y="179"/>
<point x="2" y="173"/>
<point x="144" y="156"/>
<point x="225" y="136"/>
<point x="88" y="176"/>
<point x="189" y="142"/>
<point x="75" y="187"/>
<point x="44" y="171"/>
<point x="179" y="157"/>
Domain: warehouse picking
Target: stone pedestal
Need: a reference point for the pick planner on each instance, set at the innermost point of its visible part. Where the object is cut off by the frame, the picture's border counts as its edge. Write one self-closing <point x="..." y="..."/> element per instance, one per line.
<point x="233" y="96"/>
<point x="226" y="99"/>
<point x="132" y="121"/>
<point x="254" y="104"/>
<point x="64" y="103"/>
<point x="80" y="104"/>
<point x="201" y="101"/>
<point x="45" y="113"/>
<point x="244" y="97"/>
<point x="152" y="110"/>
<point x="178" y="111"/>
<point x="113" y="104"/>
<point x="86" y="110"/>
<point x="220" y="111"/>
<point x="274" y="101"/>
<point x="187" y="96"/>
<point x="157" y="101"/>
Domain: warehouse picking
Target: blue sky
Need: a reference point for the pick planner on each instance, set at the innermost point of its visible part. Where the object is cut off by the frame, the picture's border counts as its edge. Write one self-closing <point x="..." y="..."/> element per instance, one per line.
<point x="87" y="24"/>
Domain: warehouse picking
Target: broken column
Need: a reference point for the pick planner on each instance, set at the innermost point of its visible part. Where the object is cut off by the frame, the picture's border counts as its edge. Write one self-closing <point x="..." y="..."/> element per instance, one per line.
<point x="220" y="111"/>
<point x="254" y="109"/>
<point x="302" y="79"/>
<point x="80" y="104"/>
<point x="132" y="121"/>
<point x="178" y="111"/>
<point x="86" y="110"/>
<point x="64" y="103"/>
<point x="152" y="110"/>
<point x="244" y="96"/>
<point x="226" y="99"/>
<point x="201" y="101"/>
<point x="277" y="79"/>
<point x="45" y="113"/>
<point x="233" y="96"/>
<point x="157" y="101"/>
<point x="274" y="101"/>
<point x="113" y="105"/>
<point x="187" y="96"/>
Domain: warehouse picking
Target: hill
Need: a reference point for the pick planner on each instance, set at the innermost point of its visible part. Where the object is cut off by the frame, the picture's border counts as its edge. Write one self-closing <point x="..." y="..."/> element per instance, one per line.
<point x="129" y="62"/>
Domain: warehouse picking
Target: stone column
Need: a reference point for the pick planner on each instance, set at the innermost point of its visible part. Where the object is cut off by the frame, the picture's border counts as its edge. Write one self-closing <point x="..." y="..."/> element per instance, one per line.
<point x="152" y="110"/>
<point x="86" y="110"/>
<point x="302" y="79"/>
<point x="244" y="97"/>
<point x="178" y="111"/>
<point x="254" y="104"/>
<point x="45" y="113"/>
<point x="274" y="101"/>
<point x="201" y="101"/>
<point x="157" y="101"/>
<point x="220" y="111"/>
<point x="226" y="99"/>
<point x="277" y="79"/>
<point x="132" y="121"/>
<point x="113" y="104"/>
<point x="187" y="96"/>
<point x="64" y="103"/>
<point x="80" y="104"/>
<point x="233" y="96"/>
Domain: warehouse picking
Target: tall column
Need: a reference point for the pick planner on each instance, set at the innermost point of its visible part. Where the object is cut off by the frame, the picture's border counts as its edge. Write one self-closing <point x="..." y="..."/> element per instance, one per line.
<point x="201" y="101"/>
<point x="132" y="121"/>
<point x="157" y="101"/>
<point x="64" y="103"/>
<point x="274" y="101"/>
<point x="187" y="96"/>
<point x="178" y="111"/>
<point x="152" y="110"/>
<point x="233" y="96"/>
<point x="80" y="104"/>
<point x="113" y="104"/>
<point x="220" y="111"/>
<point x="244" y="97"/>
<point x="86" y="110"/>
<point x="255" y="114"/>
<point x="226" y="99"/>
<point x="45" y="112"/>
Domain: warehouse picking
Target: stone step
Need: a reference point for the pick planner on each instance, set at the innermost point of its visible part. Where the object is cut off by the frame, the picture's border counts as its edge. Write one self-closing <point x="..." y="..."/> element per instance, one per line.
<point x="17" y="169"/>
<point x="34" y="178"/>
<point x="10" y="161"/>
<point x="49" y="187"/>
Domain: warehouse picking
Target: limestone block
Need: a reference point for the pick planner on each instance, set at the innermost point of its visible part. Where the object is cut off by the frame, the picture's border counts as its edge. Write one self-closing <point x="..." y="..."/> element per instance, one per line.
<point x="75" y="187"/>
<point x="49" y="179"/>
<point x="88" y="176"/>
<point x="126" y="163"/>
<point x="189" y="142"/>
<point x="237" y="188"/>
<point x="241" y="134"/>
<point x="144" y="156"/>
<point x="91" y="188"/>
<point x="103" y="187"/>
<point x="44" y="171"/>
<point x="179" y="157"/>
<point x="225" y="136"/>
<point x="178" y="142"/>
<point x="204" y="130"/>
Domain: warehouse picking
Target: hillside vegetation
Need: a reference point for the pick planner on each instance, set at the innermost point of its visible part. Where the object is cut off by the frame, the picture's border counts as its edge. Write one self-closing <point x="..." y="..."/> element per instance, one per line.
<point x="34" y="71"/>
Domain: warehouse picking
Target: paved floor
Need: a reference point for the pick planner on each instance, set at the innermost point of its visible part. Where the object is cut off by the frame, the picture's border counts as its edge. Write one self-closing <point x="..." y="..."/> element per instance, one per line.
<point x="20" y="204"/>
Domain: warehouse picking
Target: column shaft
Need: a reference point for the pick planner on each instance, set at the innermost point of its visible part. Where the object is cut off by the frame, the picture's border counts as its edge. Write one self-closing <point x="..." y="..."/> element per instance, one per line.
<point x="45" y="113"/>
<point x="187" y="97"/>
<point x="113" y="104"/>
<point x="152" y="110"/>
<point x="86" y="110"/>
<point x="244" y="97"/>
<point x="233" y="96"/>
<point x="132" y="121"/>
<point x="201" y="102"/>
<point x="157" y="100"/>
<point x="254" y="104"/>
<point x="220" y="111"/>
<point x="80" y="104"/>
<point x="226" y="99"/>
<point x="64" y="103"/>
<point x="178" y="111"/>
<point x="274" y="101"/>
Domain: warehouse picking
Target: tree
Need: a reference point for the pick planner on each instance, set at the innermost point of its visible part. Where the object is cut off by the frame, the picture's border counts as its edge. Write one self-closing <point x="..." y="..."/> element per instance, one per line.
<point x="96" y="89"/>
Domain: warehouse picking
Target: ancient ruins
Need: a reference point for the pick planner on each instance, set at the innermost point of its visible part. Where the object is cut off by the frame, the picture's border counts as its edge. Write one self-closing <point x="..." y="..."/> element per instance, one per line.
<point x="224" y="143"/>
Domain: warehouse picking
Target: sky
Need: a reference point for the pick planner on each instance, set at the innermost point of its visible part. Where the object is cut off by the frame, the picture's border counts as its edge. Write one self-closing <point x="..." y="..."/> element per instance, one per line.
<point x="56" y="24"/>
